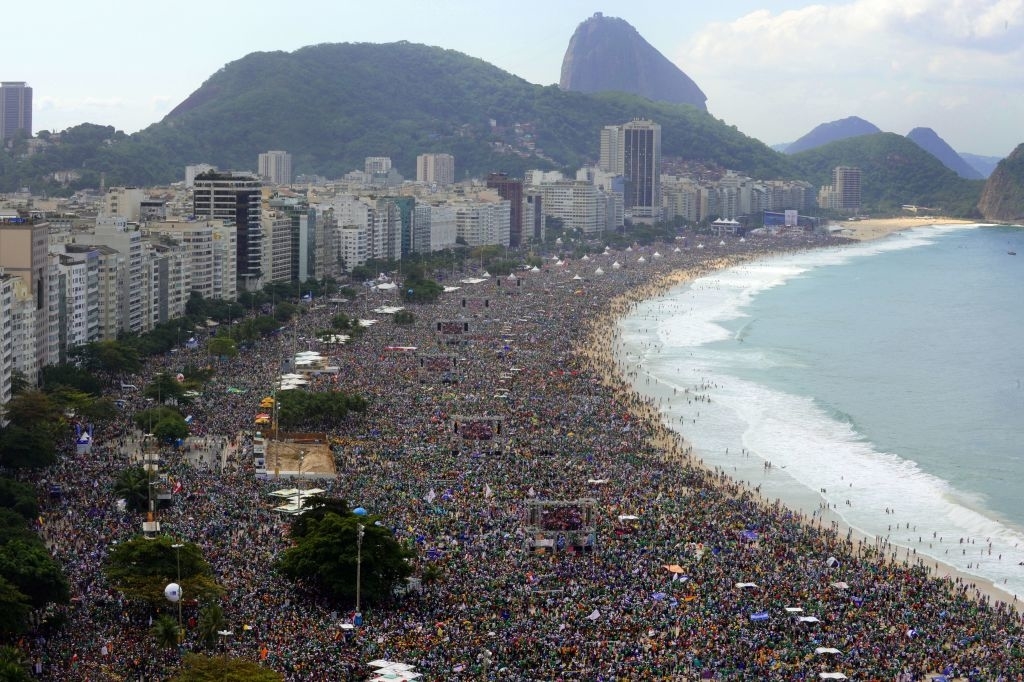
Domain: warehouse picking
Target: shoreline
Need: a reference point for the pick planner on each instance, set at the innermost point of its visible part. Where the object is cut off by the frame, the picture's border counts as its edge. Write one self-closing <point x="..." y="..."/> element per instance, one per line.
<point x="876" y="228"/>
<point x="600" y="351"/>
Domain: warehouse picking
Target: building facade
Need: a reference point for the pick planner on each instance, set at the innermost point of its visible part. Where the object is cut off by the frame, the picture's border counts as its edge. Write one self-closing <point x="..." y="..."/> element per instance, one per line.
<point x="15" y="109"/>
<point x="512" y="190"/>
<point x="435" y="169"/>
<point x="235" y="198"/>
<point x="275" y="167"/>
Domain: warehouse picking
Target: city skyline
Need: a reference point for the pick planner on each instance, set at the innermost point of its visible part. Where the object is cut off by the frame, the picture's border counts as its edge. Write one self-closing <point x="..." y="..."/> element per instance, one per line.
<point x="932" y="64"/>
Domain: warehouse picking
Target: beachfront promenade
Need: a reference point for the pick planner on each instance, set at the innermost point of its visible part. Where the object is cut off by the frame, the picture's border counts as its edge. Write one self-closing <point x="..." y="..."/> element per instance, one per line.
<point x="706" y="582"/>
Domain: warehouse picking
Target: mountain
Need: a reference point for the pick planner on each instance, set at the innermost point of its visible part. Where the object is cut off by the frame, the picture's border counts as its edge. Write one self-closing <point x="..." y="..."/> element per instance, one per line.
<point x="332" y="105"/>
<point x="1003" y="196"/>
<point x="608" y="54"/>
<point x="983" y="164"/>
<point x="928" y="140"/>
<point x="894" y="172"/>
<point x="832" y="131"/>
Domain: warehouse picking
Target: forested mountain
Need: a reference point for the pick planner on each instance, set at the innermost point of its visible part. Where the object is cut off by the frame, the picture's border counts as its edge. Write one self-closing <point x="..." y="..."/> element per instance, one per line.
<point x="333" y="105"/>
<point x="851" y="126"/>
<point x="928" y="140"/>
<point x="1003" y="196"/>
<point x="894" y="171"/>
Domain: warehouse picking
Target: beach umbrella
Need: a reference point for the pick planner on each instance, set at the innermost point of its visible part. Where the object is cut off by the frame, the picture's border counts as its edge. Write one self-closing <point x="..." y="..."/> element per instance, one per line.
<point x="359" y="511"/>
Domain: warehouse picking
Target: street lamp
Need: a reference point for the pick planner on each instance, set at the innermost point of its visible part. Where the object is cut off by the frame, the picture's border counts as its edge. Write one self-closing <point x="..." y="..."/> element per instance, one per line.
<point x="177" y="555"/>
<point x="298" y="483"/>
<point x="224" y="634"/>
<point x="359" y="570"/>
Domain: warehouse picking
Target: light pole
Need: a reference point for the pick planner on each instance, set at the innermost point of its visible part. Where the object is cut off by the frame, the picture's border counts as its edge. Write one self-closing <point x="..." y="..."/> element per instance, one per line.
<point x="177" y="555"/>
<point x="298" y="482"/>
<point x="359" y="571"/>
<point x="224" y="634"/>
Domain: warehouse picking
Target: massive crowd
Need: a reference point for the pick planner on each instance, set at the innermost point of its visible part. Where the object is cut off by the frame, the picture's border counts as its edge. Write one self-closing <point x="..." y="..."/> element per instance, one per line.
<point x="690" y="575"/>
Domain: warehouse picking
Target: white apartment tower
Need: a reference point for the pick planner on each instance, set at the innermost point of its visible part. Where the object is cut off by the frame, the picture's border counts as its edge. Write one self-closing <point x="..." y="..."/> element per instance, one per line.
<point x="435" y="169"/>
<point x="275" y="167"/>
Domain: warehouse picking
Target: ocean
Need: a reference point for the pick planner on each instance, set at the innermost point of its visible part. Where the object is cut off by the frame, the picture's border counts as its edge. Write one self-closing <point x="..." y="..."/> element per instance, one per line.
<point x="883" y="379"/>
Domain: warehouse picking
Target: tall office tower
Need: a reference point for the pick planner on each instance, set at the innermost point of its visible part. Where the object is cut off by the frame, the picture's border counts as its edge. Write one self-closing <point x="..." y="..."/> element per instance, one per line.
<point x="641" y="168"/>
<point x="235" y="198"/>
<point x="276" y="167"/>
<point x="15" y="109"/>
<point x="633" y="150"/>
<point x="511" y="189"/>
<point x="436" y="169"/>
<point x="24" y="248"/>
<point x="846" y="181"/>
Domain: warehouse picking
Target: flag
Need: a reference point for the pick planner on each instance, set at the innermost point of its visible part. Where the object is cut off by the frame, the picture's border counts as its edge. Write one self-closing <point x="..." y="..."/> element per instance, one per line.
<point x="594" y="615"/>
<point x="531" y="492"/>
<point x="487" y="491"/>
<point x="177" y="487"/>
<point x="430" y="496"/>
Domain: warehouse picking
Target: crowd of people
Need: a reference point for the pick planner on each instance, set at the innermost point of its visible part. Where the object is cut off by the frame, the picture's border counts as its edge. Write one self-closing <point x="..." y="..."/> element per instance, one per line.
<point x="703" y="579"/>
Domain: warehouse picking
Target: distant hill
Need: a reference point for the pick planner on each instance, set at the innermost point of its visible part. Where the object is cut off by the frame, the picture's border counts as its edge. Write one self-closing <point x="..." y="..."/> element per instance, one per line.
<point x="894" y="172"/>
<point x="332" y="105"/>
<point x="928" y="140"/>
<point x="983" y="164"/>
<point x="831" y="132"/>
<point x="781" y="147"/>
<point x="1003" y="196"/>
<point x="608" y="54"/>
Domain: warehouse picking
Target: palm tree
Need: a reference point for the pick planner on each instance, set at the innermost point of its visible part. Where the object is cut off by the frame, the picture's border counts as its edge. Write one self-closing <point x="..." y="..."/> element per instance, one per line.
<point x="211" y="621"/>
<point x="132" y="485"/>
<point x="165" y="632"/>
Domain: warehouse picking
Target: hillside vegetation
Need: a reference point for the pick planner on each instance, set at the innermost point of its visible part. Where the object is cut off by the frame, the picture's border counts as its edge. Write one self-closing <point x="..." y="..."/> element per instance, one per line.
<point x="894" y="171"/>
<point x="332" y="105"/>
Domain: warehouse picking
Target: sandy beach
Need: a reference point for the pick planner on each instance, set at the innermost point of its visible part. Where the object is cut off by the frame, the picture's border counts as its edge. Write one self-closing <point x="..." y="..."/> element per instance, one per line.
<point x="600" y="353"/>
<point x="874" y="228"/>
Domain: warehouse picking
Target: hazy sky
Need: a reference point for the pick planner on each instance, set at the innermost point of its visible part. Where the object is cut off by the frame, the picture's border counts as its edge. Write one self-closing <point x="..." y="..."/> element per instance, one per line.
<point x="773" y="68"/>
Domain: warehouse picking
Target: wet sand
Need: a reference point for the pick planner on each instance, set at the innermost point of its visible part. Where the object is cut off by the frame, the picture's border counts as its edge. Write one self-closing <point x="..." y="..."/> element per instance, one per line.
<point x="874" y="228"/>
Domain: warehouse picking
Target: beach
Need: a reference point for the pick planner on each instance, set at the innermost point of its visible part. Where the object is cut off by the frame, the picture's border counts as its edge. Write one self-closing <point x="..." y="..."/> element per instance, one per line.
<point x="875" y="228"/>
<point x="678" y="572"/>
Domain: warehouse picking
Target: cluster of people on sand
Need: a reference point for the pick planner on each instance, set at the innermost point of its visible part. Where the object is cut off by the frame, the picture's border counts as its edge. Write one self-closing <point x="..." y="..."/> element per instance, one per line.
<point x="688" y="576"/>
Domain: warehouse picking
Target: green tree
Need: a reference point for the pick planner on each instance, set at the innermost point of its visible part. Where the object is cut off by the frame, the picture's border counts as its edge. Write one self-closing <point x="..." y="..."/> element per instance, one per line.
<point x="222" y="347"/>
<point x="132" y="486"/>
<point x="13" y="667"/>
<point x="19" y="497"/>
<point x="19" y="382"/>
<point x="404" y="317"/>
<point x="30" y="567"/>
<point x="36" y="424"/>
<point x="199" y="668"/>
<point x="141" y="568"/>
<point x="14" y="610"/>
<point x="165" y="631"/>
<point x="325" y="555"/>
<point x="284" y="312"/>
<point x="113" y="357"/>
<point x="211" y="621"/>
<point x="164" y="387"/>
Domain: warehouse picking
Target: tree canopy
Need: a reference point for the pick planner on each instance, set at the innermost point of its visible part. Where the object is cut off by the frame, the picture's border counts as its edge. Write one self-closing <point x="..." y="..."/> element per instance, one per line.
<point x="141" y="568"/>
<point x="199" y="668"/>
<point x="325" y="555"/>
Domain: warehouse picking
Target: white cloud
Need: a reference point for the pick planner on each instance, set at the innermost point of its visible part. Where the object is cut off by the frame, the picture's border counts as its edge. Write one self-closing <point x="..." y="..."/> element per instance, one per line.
<point x="898" y="64"/>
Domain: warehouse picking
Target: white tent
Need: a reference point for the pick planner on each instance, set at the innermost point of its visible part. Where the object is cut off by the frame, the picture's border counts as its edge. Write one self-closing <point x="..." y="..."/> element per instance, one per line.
<point x="534" y="269"/>
<point x="826" y="650"/>
<point x="599" y="271"/>
<point x="615" y="265"/>
<point x="832" y="676"/>
<point x="641" y="259"/>
<point x="386" y="286"/>
<point x="585" y="257"/>
<point x="656" y="255"/>
<point x="743" y="586"/>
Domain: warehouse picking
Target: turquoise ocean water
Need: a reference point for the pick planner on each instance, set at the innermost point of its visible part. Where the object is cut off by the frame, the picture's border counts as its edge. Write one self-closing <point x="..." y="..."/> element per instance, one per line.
<point x="885" y="378"/>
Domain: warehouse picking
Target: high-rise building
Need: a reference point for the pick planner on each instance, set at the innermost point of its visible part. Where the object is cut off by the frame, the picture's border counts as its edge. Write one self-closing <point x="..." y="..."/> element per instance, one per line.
<point x="191" y="171"/>
<point x="276" y="167"/>
<point x="633" y="150"/>
<point x="511" y="189"/>
<point x="24" y="248"/>
<point x="436" y="169"/>
<point x="846" y="180"/>
<point x="235" y="198"/>
<point x="15" y="109"/>
<point x="377" y="165"/>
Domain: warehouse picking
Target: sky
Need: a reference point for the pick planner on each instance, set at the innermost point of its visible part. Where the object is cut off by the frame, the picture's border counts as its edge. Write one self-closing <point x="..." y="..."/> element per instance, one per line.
<point x="773" y="68"/>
